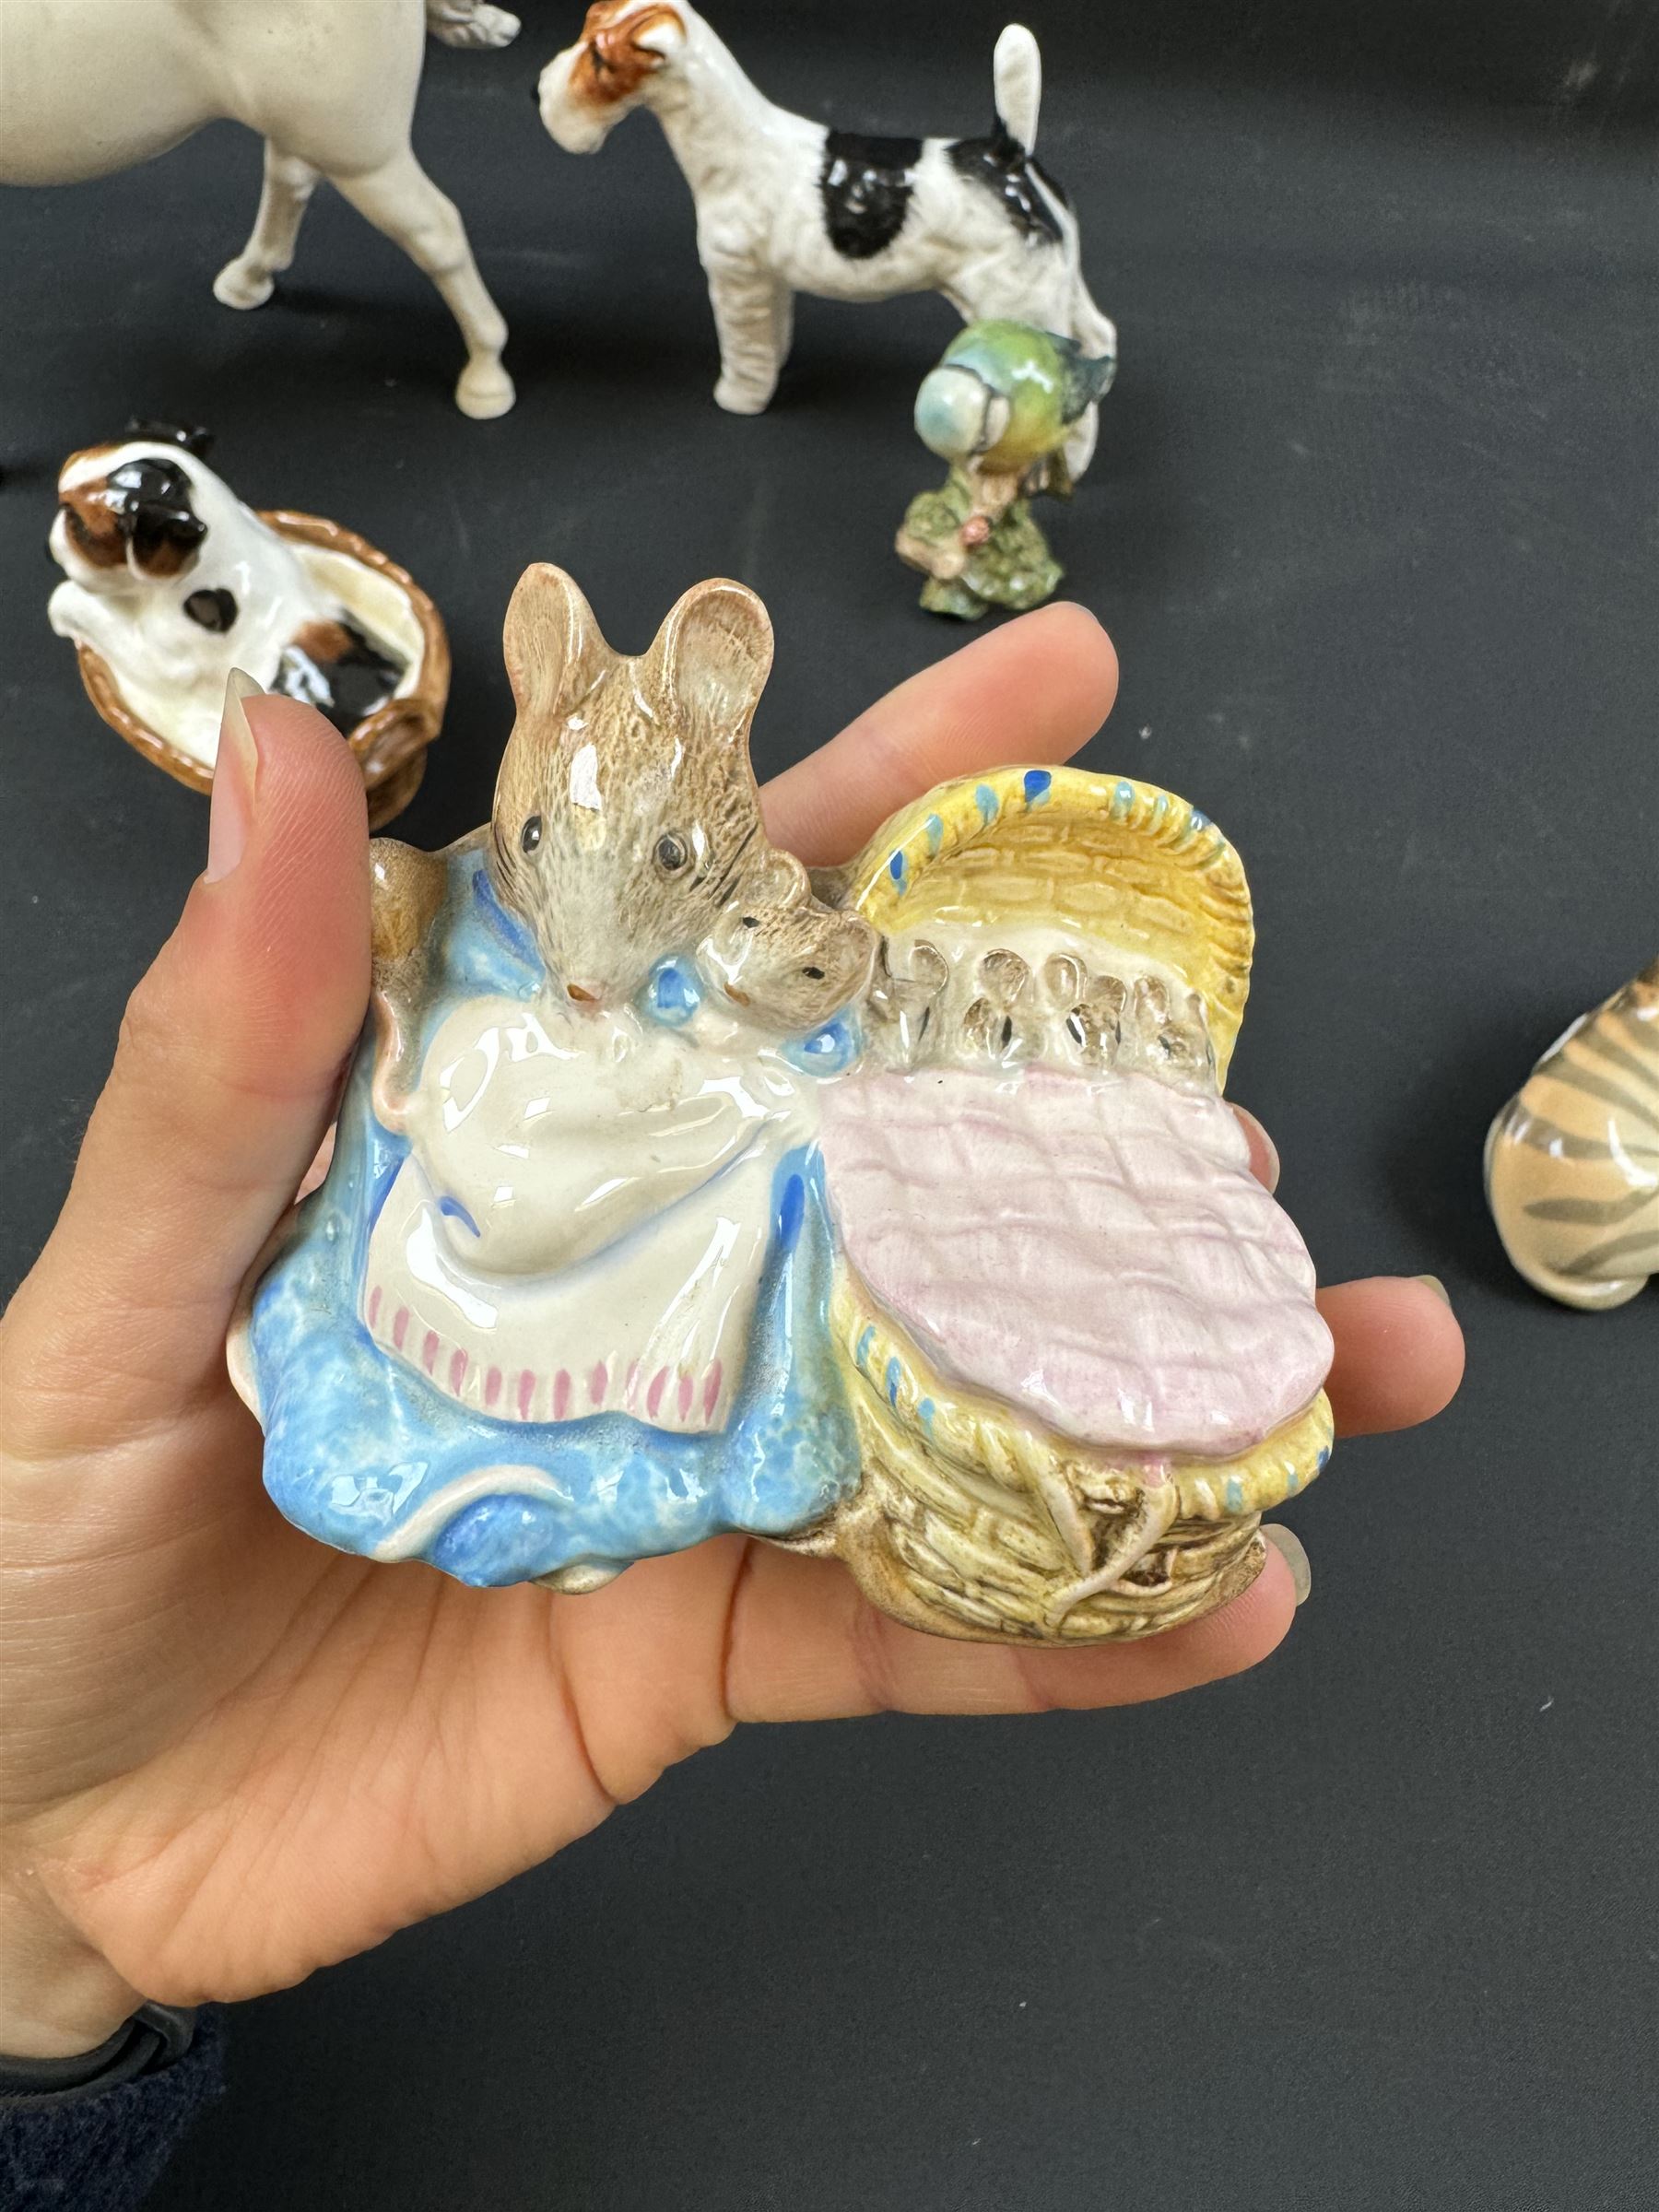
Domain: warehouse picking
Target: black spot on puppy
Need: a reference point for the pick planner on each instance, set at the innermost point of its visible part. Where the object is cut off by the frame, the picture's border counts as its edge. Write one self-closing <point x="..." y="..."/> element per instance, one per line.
<point x="150" y="499"/>
<point x="865" y="184"/>
<point x="191" y="437"/>
<point x="333" y="666"/>
<point x="1003" y="166"/>
<point x="213" y="609"/>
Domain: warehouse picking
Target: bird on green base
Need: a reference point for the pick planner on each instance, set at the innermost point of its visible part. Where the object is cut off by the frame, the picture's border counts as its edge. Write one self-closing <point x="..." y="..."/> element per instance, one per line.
<point x="998" y="408"/>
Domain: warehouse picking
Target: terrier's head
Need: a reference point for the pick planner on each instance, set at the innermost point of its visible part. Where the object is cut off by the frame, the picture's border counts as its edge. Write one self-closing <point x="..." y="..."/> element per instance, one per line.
<point x="627" y="50"/>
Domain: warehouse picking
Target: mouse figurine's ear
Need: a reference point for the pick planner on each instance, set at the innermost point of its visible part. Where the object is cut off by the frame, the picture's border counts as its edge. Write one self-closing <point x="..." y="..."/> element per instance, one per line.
<point x="552" y="644"/>
<point x="713" y="652"/>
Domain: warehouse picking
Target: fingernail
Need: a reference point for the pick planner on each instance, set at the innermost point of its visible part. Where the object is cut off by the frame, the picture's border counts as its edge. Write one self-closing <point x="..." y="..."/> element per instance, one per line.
<point x="1270" y="1158"/>
<point x="235" y="773"/>
<point x="1294" y="1553"/>
<point x="1438" y="1287"/>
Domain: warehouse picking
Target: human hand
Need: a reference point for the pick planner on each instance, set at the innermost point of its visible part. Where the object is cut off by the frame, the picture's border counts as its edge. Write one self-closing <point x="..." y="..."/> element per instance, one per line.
<point x="228" y="1755"/>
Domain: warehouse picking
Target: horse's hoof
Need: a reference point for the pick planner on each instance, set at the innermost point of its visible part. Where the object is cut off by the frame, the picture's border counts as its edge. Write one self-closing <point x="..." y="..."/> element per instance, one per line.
<point x="484" y="391"/>
<point x="496" y="26"/>
<point x="483" y="27"/>
<point x="241" y="285"/>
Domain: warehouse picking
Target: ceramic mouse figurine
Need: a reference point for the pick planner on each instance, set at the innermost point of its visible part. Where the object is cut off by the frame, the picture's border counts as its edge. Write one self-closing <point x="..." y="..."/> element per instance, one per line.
<point x="86" y="89"/>
<point x="784" y="205"/>
<point x="171" y="583"/>
<point x="1572" y="1161"/>
<point x="899" y="1219"/>
<point x="999" y="407"/>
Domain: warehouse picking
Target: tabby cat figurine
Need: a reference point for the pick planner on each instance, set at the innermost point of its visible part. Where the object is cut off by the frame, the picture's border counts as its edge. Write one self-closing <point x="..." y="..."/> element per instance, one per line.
<point x="1572" y="1161"/>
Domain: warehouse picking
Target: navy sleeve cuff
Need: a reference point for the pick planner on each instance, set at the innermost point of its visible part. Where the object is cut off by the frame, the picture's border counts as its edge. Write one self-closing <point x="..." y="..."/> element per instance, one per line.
<point x="70" y="2141"/>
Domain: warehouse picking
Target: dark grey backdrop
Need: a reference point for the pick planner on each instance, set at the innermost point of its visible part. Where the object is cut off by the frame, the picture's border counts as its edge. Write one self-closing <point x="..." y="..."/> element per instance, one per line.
<point x="1373" y="524"/>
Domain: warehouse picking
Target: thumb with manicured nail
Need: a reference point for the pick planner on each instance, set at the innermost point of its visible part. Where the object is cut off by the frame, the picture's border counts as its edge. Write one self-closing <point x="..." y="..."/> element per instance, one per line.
<point x="224" y="1076"/>
<point x="1294" y="1553"/>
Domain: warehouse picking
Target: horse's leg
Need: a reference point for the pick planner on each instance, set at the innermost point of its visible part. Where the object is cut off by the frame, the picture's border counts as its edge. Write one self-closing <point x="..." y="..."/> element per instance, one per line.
<point x="288" y="182"/>
<point x="401" y="200"/>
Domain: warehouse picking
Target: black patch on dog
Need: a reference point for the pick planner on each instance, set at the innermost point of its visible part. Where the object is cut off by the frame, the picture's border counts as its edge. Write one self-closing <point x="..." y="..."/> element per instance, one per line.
<point x="1003" y="166"/>
<point x="196" y="442"/>
<point x="213" y="609"/>
<point x="151" y="500"/>
<point x="867" y="185"/>
<point x="346" y="687"/>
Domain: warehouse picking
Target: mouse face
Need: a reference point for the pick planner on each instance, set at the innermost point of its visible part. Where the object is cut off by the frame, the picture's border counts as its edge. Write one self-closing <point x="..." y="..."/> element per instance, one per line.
<point x="627" y="826"/>
<point x="777" y="951"/>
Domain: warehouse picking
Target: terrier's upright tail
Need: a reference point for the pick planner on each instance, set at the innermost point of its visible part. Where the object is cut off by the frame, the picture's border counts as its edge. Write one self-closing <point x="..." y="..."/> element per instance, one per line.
<point x="1016" y="81"/>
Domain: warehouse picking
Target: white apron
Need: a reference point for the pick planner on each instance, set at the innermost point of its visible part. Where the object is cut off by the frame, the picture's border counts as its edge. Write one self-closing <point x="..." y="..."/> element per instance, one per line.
<point x="584" y="1217"/>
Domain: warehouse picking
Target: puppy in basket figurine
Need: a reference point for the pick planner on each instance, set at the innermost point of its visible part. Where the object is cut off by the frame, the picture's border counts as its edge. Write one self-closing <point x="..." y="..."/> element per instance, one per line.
<point x="173" y="588"/>
<point x="894" y="1215"/>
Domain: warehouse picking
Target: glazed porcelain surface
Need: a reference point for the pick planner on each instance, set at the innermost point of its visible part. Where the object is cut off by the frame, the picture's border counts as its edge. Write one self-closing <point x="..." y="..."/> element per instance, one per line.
<point x="1572" y="1161"/>
<point x="171" y="583"/>
<point x="785" y="206"/>
<point x="88" y="88"/>
<point x="1000" y="407"/>
<point x="904" y="1222"/>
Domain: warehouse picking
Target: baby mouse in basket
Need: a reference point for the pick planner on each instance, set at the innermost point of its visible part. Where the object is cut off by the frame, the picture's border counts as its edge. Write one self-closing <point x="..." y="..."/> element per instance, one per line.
<point x="174" y="583"/>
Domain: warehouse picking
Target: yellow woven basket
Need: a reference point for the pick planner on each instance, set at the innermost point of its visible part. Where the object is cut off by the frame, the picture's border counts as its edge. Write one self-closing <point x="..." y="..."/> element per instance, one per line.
<point x="969" y="1521"/>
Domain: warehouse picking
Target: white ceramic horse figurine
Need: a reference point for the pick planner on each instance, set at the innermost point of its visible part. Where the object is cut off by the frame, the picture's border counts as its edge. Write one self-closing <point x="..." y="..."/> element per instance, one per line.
<point x="90" y="87"/>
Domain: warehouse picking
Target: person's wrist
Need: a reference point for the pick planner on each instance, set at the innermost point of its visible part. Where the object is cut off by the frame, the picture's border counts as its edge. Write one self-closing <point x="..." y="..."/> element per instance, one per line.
<point x="59" y="1996"/>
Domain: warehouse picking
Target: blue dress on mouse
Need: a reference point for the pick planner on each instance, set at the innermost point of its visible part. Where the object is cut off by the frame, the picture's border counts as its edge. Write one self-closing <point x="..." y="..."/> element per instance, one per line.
<point x="562" y="1301"/>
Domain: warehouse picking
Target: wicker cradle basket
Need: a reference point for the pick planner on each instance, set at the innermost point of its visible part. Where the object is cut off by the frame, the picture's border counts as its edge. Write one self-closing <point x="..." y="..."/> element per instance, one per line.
<point x="389" y="744"/>
<point x="968" y="1520"/>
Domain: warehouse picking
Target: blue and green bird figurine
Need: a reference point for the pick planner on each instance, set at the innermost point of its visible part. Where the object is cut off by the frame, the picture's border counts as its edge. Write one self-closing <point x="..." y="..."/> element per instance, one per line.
<point x="998" y="408"/>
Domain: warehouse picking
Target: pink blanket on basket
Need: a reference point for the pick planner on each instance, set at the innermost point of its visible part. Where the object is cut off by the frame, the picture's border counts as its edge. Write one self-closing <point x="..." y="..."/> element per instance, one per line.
<point x="1093" y="1251"/>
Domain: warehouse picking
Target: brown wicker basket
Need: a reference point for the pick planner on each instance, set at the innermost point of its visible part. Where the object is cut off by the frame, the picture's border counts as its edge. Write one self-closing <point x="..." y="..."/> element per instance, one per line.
<point x="389" y="744"/>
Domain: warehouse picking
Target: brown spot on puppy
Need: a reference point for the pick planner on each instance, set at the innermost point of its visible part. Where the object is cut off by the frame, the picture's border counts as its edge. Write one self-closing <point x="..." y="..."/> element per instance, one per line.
<point x="612" y="64"/>
<point x="92" y="526"/>
<point x="333" y="666"/>
<point x="88" y="516"/>
<point x="140" y="510"/>
<point x="323" y="641"/>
